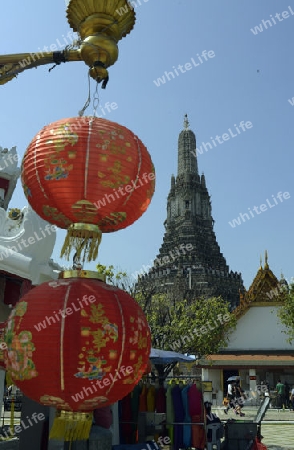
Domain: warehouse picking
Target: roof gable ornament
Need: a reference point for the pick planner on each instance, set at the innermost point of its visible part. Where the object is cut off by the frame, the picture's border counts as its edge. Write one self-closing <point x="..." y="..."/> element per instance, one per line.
<point x="266" y="266"/>
<point x="264" y="289"/>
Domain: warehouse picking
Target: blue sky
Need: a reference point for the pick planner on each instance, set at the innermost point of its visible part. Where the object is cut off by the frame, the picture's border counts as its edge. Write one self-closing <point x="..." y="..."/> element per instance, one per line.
<point x="250" y="78"/>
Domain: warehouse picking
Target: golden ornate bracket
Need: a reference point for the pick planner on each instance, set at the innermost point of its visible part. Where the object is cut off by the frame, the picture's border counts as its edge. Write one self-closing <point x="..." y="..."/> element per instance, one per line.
<point x="100" y="25"/>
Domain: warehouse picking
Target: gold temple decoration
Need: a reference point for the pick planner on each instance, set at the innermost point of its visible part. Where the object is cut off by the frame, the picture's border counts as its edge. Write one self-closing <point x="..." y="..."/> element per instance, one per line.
<point x="15" y="214"/>
<point x="265" y="289"/>
<point x="100" y="24"/>
<point x="266" y="266"/>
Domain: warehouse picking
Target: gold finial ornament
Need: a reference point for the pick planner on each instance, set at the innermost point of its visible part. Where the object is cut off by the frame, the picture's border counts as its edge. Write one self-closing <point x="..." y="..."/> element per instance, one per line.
<point x="266" y="266"/>
<point x="100" y="24"/>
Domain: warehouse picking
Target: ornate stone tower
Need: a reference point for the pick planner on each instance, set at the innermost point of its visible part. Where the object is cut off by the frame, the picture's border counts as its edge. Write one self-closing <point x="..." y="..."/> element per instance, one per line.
<point x="190" y="263"/>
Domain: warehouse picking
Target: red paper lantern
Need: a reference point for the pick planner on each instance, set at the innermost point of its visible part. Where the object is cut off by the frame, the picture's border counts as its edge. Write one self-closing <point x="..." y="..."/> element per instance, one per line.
<point x="89" y="174"/>
<point x="77" y="344"/>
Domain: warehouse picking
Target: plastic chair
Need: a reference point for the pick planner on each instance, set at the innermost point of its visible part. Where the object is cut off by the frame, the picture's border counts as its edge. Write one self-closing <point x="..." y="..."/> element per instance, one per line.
<point x="214" y="444"/>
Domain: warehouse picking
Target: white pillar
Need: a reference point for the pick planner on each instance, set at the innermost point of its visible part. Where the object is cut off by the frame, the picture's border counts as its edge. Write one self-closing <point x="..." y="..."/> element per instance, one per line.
<point x="205" y="375"/>
<point x="252" y="383"/>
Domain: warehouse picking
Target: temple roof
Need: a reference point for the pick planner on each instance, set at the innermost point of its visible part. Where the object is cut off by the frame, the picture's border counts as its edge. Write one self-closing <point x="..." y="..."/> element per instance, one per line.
<point x="265" y="288"/>
<point x="264" y="283"/>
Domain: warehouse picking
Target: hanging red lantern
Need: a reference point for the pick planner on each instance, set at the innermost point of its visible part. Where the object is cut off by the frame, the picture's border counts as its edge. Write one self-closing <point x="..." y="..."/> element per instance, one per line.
<point x="89" y="175"/>
<point x="85" y="345"/>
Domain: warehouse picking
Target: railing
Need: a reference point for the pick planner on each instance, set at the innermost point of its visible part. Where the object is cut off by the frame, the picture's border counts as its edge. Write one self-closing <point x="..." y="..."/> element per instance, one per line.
<point x="262" y="410"/>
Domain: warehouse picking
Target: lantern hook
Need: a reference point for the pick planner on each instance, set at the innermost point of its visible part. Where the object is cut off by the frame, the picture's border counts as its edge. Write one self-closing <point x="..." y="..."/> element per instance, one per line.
<point x="87" y="103"/>
<point x="96" y="100"/>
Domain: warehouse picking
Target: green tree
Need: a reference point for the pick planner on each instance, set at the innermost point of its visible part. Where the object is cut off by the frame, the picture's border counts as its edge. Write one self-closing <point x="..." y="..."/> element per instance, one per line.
<point x="117" y="278"/>
<point x="286" y="313"/>
<point x="200" y="327"/>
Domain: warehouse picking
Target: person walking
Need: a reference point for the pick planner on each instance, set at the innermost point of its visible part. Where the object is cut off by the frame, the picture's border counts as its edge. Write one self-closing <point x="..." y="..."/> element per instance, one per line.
<point x="239" y="399"/>
<point x="230" y="397"/>
<point x="280" y="388"/>
<point x="287" y="395"/>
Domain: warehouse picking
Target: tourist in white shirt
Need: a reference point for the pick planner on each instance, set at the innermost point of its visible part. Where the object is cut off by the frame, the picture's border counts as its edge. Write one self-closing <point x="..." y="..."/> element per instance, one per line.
<point x="230" y="397"/>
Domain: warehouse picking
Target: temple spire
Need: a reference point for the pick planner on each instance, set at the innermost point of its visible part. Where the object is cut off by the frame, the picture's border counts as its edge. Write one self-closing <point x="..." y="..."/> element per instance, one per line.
<point x="201" y="272"/>
<point x="187" y="160"/>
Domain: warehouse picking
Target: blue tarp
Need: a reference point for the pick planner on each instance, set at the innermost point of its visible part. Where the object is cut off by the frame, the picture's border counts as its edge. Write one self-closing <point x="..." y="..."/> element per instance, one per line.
<point x="167" y="357"/>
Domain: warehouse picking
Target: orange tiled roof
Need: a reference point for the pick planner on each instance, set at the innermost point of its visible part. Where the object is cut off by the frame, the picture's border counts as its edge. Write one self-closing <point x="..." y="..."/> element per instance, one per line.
<point x="244" y="360"/>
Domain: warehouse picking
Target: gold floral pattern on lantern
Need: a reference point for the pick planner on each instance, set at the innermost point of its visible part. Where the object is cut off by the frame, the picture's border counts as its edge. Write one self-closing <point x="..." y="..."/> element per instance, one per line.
<point x="53" y="213"/>
<point x="91" y="366"/>
<point x="92" y="403"/>
<point x="139" y="337"/>
<point x="115" y="179"/>
<point x="84" y="210"/>
<point x="50" y="400"/>
<point x="67" y="137"/>
<point x="56" y="165"/>
<point x="114" y="218"/>
<point x="20" y="346"/>
<point x="134" y="374"/>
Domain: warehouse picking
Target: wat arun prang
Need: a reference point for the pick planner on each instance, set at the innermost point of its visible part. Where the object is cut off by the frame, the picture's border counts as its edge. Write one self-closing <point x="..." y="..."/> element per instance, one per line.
<point x="190" y="263"/>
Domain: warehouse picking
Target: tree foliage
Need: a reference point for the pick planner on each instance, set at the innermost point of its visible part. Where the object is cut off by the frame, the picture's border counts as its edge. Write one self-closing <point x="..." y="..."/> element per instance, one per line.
<point x="199" y="327"/>
<point x="286" y="313"/>
<point x="117" y="278"/>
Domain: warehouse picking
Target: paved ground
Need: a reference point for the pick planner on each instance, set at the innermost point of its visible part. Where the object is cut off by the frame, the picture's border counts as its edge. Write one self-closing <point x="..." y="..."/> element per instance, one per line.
<point x="277" y="427"/>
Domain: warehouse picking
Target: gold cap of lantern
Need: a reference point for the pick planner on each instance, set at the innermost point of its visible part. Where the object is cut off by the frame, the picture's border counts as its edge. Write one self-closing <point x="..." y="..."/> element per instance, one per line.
<point x="101" y="24"/>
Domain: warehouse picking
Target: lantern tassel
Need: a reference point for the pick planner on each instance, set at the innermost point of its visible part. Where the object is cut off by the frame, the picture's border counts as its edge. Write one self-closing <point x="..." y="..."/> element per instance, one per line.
<point x="71" y="426"/>
<point x="84" y="239"/>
